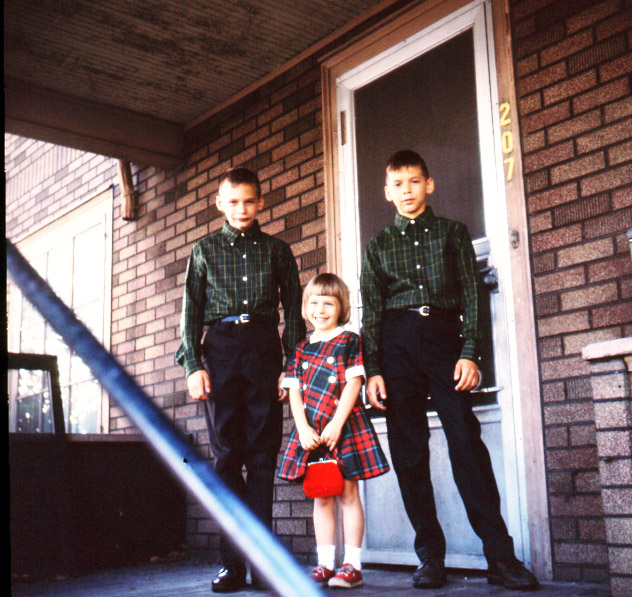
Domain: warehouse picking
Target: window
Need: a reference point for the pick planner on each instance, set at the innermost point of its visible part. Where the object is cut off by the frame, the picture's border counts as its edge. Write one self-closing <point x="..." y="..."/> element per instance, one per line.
<point x="74" y="255"/>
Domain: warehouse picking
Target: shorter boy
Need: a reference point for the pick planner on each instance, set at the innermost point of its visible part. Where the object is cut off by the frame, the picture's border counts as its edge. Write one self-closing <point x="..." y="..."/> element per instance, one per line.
<point x="419" y="278"/>
<point x="235" y="279"/>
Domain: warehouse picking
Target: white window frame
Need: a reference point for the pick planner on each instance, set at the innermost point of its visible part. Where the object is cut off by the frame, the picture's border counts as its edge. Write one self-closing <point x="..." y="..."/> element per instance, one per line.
<point x="95" y="211"/>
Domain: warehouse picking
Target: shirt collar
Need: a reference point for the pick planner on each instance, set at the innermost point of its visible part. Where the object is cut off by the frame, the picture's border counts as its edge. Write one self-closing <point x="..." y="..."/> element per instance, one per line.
<point x="232" y="233"/>
<point x="330" y="336"/>
<point x="425" y="219"/>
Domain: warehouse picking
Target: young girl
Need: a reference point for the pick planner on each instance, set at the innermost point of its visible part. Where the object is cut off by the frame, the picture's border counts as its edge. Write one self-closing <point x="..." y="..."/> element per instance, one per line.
<point x="325" y="380"/>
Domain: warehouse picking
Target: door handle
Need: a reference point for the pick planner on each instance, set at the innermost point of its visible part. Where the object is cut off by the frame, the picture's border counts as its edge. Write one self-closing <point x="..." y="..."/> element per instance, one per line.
<point x="488" y="390"/>
<point x="490" y="278"/>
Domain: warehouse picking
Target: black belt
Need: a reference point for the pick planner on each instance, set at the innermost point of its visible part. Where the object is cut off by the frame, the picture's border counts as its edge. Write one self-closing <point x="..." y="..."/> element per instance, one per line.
<point x="246" y="318"/>
<point x="429" y="310"/>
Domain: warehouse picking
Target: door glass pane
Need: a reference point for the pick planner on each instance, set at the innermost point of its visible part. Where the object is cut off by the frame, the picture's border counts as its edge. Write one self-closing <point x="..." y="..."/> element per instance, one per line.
<point x="88" y="266"/>
<point x="32" y="339"/>
<point x="84" y="401"/>
<point x="427" y="105"/>
<point x="59" y="272"/>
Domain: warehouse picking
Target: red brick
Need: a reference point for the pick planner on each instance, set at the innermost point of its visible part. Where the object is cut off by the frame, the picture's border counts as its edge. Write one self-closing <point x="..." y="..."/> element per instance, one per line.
<point x="614" y="25"/>
<point x="570" y="45"/>
<point x="560" y="324"/>
<point x="562" y="368"/>
<point x="618" y="110"/>
<point x="553" y="197"/>
<point x="605" y="136"/>
<point x="591" y="15"/>
<point x="609" y="223"/>
<point x="612" y="314"/>
<point x="601" y="95"/>
<point x="556" y="238"/>
<point x="617" y="267"/>
<point x="574" y="126"/>
<point x="546" y="117"/>
<point x="542" y="78"/>
<point x="559" y="280"/>
<point x="548" y="157"/>
<point x="569" y="87"/>
<point x="581" y="553"/>
<point x="592" y="295"/>
<point x="619" y="154"/>
<point x="616" y="68"/>
<point x="572" y="458"/>
<point x="581" y="167"/>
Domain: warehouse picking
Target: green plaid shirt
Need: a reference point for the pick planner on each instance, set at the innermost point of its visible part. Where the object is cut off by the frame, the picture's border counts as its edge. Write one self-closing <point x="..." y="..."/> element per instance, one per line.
<point x="425" y="261"/>
<point x="232" y="272"/>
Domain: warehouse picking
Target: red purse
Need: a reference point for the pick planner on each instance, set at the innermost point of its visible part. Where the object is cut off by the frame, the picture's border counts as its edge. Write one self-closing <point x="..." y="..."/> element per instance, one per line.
<point x="322" y="479"/>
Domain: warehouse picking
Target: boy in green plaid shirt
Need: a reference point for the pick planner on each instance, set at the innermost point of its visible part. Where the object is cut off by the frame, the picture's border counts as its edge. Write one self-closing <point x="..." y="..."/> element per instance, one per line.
<point x="234" y="282"/>
<point x="421" y="337"/>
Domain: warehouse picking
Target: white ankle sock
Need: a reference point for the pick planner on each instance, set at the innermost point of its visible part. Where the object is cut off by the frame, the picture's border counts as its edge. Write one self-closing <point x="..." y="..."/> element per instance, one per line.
<point x="326" y="555"/>
<point x="353" y="556"/>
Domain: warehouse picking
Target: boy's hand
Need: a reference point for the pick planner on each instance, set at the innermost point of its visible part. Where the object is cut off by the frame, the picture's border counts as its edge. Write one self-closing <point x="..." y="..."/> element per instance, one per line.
<point x="283" y="393"/>
<point x="310" y="440"/>
<point x="199" y="384"/>
<point x="330" y="435"/>
<point x="376" y="391"/>
<point x="466" y="374"/>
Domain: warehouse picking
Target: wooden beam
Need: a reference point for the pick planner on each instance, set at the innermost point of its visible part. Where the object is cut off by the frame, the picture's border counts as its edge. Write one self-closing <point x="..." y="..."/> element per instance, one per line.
<point x="55" y="117"/>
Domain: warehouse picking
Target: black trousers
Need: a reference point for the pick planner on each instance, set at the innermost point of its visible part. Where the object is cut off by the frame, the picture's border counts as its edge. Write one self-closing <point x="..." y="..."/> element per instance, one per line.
<point x="244" y="362"/>
<point x="418" y="356"/>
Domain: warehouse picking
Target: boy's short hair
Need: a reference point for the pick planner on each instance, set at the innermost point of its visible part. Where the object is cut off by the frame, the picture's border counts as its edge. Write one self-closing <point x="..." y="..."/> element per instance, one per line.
<point x="329" y="285"/>
<point x="404" y="158"/>
<point x="241" y="175"/>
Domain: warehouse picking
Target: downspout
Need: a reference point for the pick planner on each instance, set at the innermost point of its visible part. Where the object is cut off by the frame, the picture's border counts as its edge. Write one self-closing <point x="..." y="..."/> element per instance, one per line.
<point x="127" y="190"/>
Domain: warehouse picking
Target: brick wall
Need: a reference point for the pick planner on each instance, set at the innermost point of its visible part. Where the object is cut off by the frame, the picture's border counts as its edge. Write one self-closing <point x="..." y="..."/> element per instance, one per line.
<point x="573" y="65"/>
<point x="43" y="181"/>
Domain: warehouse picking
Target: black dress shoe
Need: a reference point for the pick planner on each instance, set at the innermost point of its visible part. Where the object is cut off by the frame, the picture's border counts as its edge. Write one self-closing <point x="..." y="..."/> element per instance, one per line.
<point x="511" y="573"/>
<point x="430" y="574"/>
<point x="229" y="580"/>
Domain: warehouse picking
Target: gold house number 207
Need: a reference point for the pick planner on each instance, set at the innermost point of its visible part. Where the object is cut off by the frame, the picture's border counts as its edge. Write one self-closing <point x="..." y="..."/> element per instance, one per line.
<point x="506" y="140"/>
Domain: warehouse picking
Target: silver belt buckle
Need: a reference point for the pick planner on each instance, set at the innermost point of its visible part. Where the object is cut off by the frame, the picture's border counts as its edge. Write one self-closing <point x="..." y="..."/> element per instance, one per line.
<point x="243" y="318"/>
<point x="424" y="311"/>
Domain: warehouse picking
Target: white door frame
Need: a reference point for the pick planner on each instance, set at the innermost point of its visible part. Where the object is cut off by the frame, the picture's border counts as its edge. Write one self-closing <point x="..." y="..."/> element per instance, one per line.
<point x="371" y="58"/>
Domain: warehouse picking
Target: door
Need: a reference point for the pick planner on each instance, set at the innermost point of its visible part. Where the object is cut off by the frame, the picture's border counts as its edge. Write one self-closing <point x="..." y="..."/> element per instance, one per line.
<point x="433" y="93"/>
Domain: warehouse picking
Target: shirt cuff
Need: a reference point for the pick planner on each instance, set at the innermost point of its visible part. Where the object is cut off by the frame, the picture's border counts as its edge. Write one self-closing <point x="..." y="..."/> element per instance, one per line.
<point x="290" y="383"/>
<point x="357" y="371"/>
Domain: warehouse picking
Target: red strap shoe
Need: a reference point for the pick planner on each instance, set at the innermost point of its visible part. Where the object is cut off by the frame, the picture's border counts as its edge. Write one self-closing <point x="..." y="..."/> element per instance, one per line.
<point x="347" y="578"/>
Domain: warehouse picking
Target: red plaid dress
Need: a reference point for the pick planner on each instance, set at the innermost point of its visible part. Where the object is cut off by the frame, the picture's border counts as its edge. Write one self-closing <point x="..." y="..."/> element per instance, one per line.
<point x="320" y="370"/>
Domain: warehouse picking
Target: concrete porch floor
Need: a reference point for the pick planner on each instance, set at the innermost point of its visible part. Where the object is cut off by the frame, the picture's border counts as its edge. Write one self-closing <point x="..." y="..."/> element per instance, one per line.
<point x="193" y="577"/>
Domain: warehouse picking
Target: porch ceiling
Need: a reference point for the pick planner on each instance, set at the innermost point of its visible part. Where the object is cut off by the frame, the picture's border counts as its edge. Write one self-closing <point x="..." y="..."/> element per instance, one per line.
<point x="126" y="77"/>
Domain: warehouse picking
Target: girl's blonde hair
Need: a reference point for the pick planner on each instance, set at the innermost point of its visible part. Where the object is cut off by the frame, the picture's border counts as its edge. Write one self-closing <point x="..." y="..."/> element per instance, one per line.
<point x="329" y="285"/>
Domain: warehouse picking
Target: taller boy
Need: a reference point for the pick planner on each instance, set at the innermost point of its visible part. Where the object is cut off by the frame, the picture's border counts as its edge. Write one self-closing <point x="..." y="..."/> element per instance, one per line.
<point x="234" y="281"/>
<point x="418" y="280"/>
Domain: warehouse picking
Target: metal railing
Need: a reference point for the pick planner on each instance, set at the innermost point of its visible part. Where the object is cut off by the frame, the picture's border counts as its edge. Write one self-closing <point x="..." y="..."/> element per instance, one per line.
<point x="271" y="560"/>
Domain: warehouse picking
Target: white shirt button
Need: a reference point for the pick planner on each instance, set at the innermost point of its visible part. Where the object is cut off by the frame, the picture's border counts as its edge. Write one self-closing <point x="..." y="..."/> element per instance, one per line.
<point x="244" y="256"/>
<point x="305" y="365"/>
<point x="245" y="302"/>
<point x="416" y="243"/>
<point x="332" y="379"/>
<point x="421" y="286"/>
<point x="403" y="232"/>
<point x="305" y="387"/>
<point x="245" y="278"/>
<point x="330" y="360"/>
<point x="412" y="221"/>
<point x="418" y="266"/>
<point x="425" y="229"/>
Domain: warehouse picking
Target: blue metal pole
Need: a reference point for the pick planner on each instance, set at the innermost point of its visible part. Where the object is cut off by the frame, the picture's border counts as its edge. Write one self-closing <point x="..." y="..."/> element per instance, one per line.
<point x="254" y="540"/>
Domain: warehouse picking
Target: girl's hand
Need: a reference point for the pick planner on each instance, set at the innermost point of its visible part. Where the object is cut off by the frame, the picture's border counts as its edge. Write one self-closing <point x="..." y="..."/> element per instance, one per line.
<point x="330" y="435"/>
<point x="310" y="440"/>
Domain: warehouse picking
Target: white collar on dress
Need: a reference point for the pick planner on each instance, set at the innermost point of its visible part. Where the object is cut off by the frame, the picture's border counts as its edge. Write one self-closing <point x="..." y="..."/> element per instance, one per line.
<point x="330" y="336"/>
